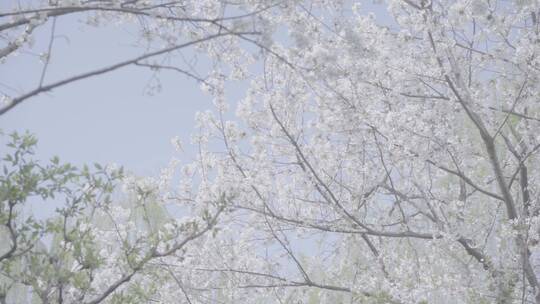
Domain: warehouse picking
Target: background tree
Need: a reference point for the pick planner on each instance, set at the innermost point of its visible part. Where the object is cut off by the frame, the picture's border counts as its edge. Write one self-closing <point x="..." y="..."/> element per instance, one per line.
<point x="95" y="247"/>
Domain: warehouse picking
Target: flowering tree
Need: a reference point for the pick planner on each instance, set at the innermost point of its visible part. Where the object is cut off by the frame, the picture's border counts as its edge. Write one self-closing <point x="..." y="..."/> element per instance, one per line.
<point x="379" y="164"/>
<point x="367" y="163"/>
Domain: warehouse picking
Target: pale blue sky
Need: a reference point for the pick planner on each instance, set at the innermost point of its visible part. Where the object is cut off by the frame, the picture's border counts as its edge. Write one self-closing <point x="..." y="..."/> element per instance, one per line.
<point x="106" y="118"/>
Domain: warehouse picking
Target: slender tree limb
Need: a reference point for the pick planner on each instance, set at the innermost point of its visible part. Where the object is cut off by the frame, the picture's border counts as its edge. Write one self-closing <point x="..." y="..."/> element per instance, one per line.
<point x="18" y="100"/>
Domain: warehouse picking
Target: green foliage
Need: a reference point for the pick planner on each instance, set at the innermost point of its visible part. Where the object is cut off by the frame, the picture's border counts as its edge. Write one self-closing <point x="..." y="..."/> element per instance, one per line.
<point x="39" y="253"/>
